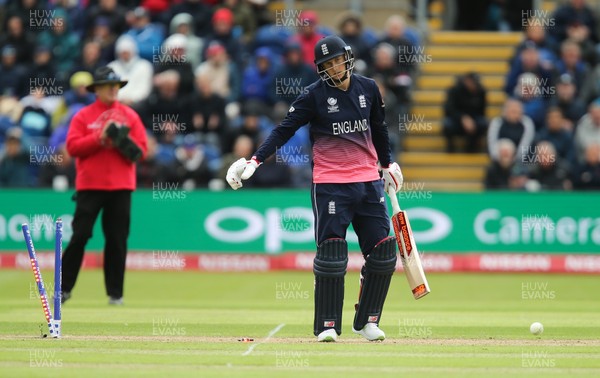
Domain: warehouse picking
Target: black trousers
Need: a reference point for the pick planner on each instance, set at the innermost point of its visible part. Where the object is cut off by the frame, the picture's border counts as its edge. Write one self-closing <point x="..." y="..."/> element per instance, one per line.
<point x="116" y="214"/>
<point x="453" y="127"/>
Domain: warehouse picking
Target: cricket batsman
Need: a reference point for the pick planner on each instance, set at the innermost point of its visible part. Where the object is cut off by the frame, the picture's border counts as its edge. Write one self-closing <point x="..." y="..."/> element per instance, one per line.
<point x="345" y="113"/>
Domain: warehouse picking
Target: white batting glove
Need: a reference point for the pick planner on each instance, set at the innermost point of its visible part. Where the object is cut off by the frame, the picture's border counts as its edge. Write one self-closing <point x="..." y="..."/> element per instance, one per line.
<point x="392" y="178"/>
<point x="241" y="169"/>
<point x="251" y="166"/>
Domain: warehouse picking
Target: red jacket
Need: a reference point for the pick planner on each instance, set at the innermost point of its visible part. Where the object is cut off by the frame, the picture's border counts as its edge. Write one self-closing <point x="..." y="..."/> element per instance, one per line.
<point x="308" y="46"/>
<point x="102" y="167"/>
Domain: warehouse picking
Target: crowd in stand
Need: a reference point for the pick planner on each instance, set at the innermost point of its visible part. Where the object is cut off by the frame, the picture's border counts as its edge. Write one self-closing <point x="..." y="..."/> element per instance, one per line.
<point x="211" y="78"/>
<point x="208" y="78"/>
<point x="548" y="135"/>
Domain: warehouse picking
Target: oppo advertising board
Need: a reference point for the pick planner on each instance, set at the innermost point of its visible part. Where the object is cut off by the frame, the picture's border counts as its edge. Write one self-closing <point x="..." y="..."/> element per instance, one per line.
<point x="277" y="221"/>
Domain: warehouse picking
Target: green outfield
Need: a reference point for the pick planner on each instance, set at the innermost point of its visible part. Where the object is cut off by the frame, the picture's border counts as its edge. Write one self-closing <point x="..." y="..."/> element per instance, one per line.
<point x="188" y="324"/>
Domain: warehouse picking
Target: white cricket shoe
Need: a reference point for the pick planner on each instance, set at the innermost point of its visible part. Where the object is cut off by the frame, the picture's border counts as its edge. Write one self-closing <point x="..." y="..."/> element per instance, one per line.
<point x="114" y="301"/>
<point x="371" y="332"/>
<point x="329" y="335"/>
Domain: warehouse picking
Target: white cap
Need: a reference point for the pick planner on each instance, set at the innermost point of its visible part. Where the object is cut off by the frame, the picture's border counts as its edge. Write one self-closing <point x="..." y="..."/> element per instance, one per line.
<point x="176" y="41"/>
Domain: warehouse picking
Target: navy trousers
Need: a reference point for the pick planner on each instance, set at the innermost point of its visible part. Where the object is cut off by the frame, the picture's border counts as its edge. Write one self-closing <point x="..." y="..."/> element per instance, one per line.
<point x="361" y="204"/>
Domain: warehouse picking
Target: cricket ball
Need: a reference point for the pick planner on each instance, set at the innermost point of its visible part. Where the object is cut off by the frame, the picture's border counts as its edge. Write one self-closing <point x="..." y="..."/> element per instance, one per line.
<point x="536" y="328"/>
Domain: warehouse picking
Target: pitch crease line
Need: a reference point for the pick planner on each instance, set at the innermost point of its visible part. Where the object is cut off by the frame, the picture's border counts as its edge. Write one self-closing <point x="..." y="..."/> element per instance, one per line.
<point x="271" y="334"/>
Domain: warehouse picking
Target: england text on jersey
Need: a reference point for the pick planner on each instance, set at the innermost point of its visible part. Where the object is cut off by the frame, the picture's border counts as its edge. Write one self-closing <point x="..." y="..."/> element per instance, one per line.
<point x="346" y="127"/>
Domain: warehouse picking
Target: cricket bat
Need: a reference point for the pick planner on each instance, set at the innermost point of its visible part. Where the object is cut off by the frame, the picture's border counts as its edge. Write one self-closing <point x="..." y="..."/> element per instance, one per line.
<point x="409" y="255"/>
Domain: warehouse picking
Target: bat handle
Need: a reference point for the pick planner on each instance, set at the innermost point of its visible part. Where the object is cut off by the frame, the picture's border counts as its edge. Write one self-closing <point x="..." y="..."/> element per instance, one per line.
<point x="394" y="200"/>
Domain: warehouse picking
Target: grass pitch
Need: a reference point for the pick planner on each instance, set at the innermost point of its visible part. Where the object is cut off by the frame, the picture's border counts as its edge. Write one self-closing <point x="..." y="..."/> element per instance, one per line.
<point x="188" y="324"/>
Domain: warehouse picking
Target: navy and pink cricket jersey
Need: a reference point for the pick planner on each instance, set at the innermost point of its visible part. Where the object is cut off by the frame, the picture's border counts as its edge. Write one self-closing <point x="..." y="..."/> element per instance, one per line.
<point x="347" y="131"/>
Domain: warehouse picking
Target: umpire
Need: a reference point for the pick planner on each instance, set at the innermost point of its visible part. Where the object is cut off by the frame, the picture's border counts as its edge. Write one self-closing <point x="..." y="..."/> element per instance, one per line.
<point x="106" y="138"/>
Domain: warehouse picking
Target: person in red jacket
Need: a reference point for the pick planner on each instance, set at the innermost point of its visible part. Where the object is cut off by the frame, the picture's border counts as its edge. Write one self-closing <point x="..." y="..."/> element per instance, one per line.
<point x="106" y="138"/>
<point x="308" y="35"/>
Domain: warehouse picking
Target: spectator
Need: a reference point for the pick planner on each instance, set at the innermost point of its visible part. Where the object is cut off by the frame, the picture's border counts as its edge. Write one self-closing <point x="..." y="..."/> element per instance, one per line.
<point x="222" y="32"/>
<point x="183" y="24"/>
<point x="13" y="77"/>
<point x="169" y="141"/>
<point x="90" y="58"/>
<point x="208" y="114"/>
<point x="10" y="112"/>
<point x="5" y="124"/>
<point x="174" y="58"/>
<point x="148" y="36"/>
<point x="43" y="68"/>
<point x="190" y="168"/>
<point x="200" y="12"/>
<point x="532" y="95"/>
<point x="574" y="20"/>
<point x="78" y="94"/>
<point x="276" y="38"/>
<point x="60" y="175"/>
<point x="17" y="37"/>
<point x="502" y="172"/>
<point x="14" y="161"/>
<point x="251" y="123"/>
<point x="308" y="35"/>
<point x="512" y="125"/>
<point x="587" y="174"/>
<point x="262" y="14"/>
<point x="38" y="108"/>
<point x="512" y="12"/>
<point x="535" y="35"/>
<point x="557" y="132"/>
<point x="65" y="46"/>
<point x="243" y="18"/>
<point x="75" y="14"/>
<point x="591" y="87"/>
<point x="570" y="63"/>
<point x="396" y="81"/>
<point x="528" y="61"/>
<point x="258" y="76"/>
<point x="164" y="105"/>
<point x="548" y="171"/>
<point x="572" y="108"/>
<point x="469" y="14"/>
<point x="243" y="147"/>
<point x="392" y="115"/>
<point x="23" y="9"/>
<point x="102" y="35"/>
<point x="351" y="30"/>
<point x="59" y="135"/>
<point x="111" y="12"/>
<point x="150" y="171"/>
<point x="465" y="112"/>
<point x="405" y="50"/>
<point x="131" y="67"/>
<point x="588" y="130"/>
<point x="396" y="33"/>
<point x="292" y="76"/>
<point x="158" y="9"/>
<point x="223" y="73"/>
